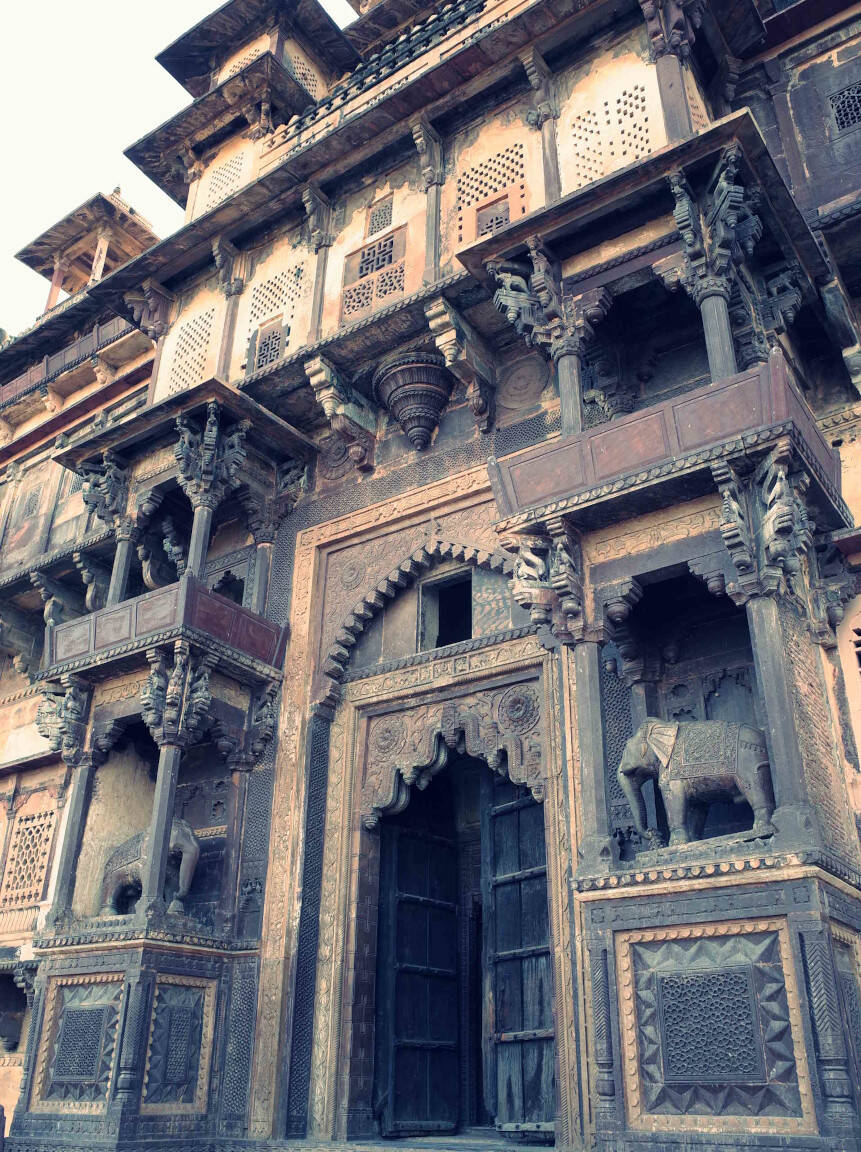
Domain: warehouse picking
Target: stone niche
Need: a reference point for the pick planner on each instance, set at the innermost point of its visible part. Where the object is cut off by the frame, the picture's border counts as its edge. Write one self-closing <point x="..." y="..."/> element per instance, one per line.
<point x="682" y="655"/>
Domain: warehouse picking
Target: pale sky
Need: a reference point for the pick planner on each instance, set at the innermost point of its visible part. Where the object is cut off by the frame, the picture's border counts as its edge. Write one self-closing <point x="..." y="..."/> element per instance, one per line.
<point x="78" y="84"/>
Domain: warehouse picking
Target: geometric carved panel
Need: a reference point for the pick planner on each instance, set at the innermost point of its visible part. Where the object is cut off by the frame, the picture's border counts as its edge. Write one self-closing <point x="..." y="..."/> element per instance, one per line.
<point x="76" y="1052"/>
<point x="179" y="1052"/>
<point x="711" y="1029"/>
<point x="27" y="861"/>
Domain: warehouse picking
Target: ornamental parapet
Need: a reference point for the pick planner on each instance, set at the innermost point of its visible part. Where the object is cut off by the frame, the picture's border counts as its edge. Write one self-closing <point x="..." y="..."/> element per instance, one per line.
<point x="103" y="644"/>
<point x="668" y="449"/>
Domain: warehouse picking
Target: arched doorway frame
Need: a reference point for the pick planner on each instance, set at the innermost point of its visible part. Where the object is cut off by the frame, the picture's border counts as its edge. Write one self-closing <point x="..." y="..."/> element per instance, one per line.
<point x="444" y="698"/>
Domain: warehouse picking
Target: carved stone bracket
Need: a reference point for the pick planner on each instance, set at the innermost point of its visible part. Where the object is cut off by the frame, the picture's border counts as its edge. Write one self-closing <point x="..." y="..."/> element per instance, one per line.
<point x="414" y="388"/>
<point x="319" y="213"/>
<point x="60" y="602"/>
<point x="175" y="697"/>
<point x="467" y="356"/>
<point x="226" y="258"/>
<point x="62" y="718"/>
<point x="155" y="563"/>
<point x="672" y="25"/>
<point x="149" y="307"/>
<point x="21" y="635"/>
<point x="718" y="233"/>
<point x="266" y="509"/>
<point x="209" y="457"/>
<point x="832" y="586"/>
<point x="96" y="580"/>
<point x="430" y="149"/>
<point x="502" y="726"/>
<point x="105" y="488"/>
<point x="350" y="416"/>
<point x="174" y="546"/>
<point x="540" y="78"/>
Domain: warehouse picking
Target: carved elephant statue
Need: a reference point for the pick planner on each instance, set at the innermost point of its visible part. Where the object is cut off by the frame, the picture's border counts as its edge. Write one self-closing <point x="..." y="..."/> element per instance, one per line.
<point x="122" y="875"/>
<point x="694" y="763"/>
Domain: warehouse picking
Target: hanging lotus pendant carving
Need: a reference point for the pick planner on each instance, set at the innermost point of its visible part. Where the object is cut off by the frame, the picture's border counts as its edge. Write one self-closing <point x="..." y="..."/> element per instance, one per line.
<point x="414" y="388"/>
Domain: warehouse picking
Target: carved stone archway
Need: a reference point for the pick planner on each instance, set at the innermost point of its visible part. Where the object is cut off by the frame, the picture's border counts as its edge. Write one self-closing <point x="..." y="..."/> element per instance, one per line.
<point x="375" y="598"/>
<point x="502" y="726"/>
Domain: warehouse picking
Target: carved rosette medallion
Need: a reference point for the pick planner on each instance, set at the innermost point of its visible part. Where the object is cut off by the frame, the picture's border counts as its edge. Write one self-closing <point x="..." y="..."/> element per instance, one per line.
<point x="387" y="736"/>
<point x="519" y="710"/>
<point x="414" y="388"/>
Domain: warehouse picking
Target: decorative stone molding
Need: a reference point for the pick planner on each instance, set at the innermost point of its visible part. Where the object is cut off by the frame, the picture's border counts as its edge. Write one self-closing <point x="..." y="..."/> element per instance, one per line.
<point x="373" y="600"/>
<point x="176" y="698"/>
<point x="467" y="356"/>
<point x="349" y="414"/>
<point x="209" y="457"/>
<point x="502" y="726"/>
<point x="414" y="388"/>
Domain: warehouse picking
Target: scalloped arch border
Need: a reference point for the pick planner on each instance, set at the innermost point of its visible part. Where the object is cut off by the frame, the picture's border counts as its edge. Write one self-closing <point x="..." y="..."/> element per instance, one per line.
<point x="338" y="655"/>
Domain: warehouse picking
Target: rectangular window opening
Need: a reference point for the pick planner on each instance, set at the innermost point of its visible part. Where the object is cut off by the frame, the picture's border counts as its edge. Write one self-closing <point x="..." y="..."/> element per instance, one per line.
<point x="447" y="612"/>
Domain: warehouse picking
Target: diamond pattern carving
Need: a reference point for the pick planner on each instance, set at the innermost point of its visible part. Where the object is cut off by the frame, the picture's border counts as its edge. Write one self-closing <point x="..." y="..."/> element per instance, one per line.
<point x="711" y="1027"/>
<point x="78" y="1041"/>
<point x="180" y="1046"/>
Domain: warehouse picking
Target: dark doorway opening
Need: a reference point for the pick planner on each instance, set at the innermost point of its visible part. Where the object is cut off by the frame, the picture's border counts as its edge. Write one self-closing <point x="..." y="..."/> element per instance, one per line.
<point x="464" y="1024"/>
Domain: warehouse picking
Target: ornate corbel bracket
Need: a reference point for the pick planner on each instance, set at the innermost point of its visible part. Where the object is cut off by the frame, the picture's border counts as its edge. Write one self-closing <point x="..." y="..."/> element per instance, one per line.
<point x="319" y="213"/>
<point x="786" y="530"/>
<point x="175" y="548"/>
<point x="60" y="602"/>
<point x="672" y="26"/>
<point x="531" y="584"/>
<point x="566" y="580"/>
<point x="155" y="567"/>
<point x="62" y="718"/>
<point x="21" y="635"/>
<point x="467" y="357"/>
<point x="832" y="586"/>
<point x="186" y="166"/>
<point x="226" y="257"/>
<point x="103" y="371"/>
<point x="176" y="697"/>
<point x="209" y="456"/>
<point x="350" y="416"/>
<point x="105" y="487"/>
<point x="737" y="533"/>
<point x="540" y="79"/>
<point x="263" y="718"/>
<point x="430" y="149"/>
<point x="149" y="306"/>
<point x="96" y="580"/>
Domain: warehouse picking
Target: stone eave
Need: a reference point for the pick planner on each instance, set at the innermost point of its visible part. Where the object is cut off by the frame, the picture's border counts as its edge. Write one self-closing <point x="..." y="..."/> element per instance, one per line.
<point x="568" y="222"/>
<point x="133" y="433"/>
<point x="211" y="115"/>
<point x="39" y="253"/>
<point x="189" y="59"/>
<point x="798" y="19"/>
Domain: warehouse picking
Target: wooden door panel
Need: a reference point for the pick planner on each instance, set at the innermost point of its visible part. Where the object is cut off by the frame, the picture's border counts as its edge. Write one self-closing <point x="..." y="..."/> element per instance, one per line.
<point x="519" y="1013"/>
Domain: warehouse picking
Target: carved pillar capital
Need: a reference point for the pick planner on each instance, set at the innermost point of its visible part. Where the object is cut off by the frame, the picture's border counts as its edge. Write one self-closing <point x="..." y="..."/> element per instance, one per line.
<point x="209" y="456"/>
<point x="62" y="718"/>
<point x="175" y="697"/>
<point x="105" y="487"/>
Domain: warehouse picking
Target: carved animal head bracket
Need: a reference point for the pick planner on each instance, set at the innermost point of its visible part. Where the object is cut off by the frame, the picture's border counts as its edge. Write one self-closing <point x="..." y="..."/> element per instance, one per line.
<point x="105" y="488"/>
<point x="467" y="357"/>
<point x="175" y="697"/>
<point x="210" y="456"/>
<point x="350" y="416"/>
<point x="62" y="718"/>
<point x="548" y="580"/>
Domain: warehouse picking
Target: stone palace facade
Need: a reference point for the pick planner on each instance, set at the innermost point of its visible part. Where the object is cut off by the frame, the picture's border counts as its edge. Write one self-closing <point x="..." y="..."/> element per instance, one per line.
<point x="430" y="693"/>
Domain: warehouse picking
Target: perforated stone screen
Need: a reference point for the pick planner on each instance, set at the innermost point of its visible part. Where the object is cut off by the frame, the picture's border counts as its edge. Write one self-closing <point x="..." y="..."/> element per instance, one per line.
<point x="79" y="1044"/>
<point x="503" y="171"/>
<point x="27" y="862"/>
<point x="846" y="107"/>
<point x="223" y="181"/>
<point x="380" y="217"/>
<point x="305" y="74"/>
<point x="190" y="352"/>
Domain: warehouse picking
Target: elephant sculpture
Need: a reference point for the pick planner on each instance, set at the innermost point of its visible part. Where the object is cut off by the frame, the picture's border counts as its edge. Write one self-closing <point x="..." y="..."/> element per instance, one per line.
<point x="121" y="882"/>
<point x="694" y="763"/>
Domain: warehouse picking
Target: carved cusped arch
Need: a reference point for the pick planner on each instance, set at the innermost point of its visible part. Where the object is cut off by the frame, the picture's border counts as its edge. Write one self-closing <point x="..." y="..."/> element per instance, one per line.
<point x="504" y="726"/>
<point x="337" y="657"/>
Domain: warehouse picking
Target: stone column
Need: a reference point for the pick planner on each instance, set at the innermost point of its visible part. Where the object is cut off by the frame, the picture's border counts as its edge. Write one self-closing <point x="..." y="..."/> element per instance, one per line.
<point x="77" y="804"/>
<point x="319" y="212"/>
<point x="61" y="267"/>
<point x="720" y="348"/>
<point x="130" y="1063"/>
<point x="792" y="817"/>
<point x="199" y="543"/>
<point x="261" y="575"/>
<point x="101" y="254"/>
<point x="126" y="537"/>
<point x="596" y="847"/>
<point x="674" y="100"/>
<point x="569" y="377"/>
<point x="154" y="863"/>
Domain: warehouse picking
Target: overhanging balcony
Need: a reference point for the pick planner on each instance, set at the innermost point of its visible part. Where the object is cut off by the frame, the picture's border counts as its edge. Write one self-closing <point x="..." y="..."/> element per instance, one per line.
<point x="660" y="455"/>
<point x="115" y="639"/>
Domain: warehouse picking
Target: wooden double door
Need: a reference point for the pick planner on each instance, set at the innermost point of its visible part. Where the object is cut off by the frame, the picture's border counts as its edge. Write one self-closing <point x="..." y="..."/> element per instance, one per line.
<point x="464" y="993"/>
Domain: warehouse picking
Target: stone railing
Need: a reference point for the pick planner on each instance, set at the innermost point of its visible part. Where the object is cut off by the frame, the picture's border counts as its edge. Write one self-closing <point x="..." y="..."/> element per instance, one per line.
<point x="186" y="609"/>
<point x="52" y="366"/>
<point x="659" y="444"/>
